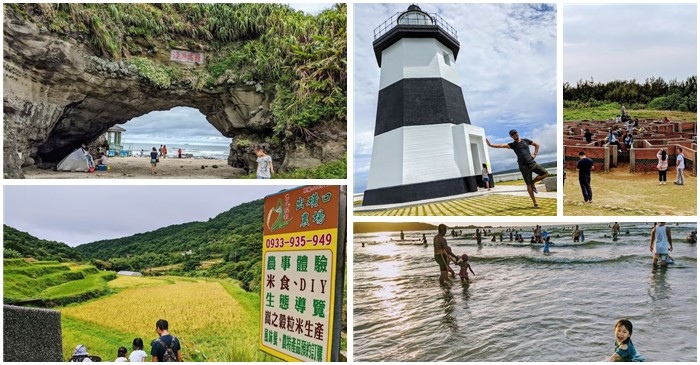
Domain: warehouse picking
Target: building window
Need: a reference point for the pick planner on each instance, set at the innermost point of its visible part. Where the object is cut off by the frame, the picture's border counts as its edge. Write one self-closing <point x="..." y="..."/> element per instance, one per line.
<point x="446" y="56"/>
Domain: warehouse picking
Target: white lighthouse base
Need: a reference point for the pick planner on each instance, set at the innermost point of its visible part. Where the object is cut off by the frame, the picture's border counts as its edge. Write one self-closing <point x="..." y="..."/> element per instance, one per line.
<point x="425" y="162"/>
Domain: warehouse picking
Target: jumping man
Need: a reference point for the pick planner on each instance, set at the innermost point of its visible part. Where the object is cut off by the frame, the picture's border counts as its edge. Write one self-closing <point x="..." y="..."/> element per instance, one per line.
<point x="526" y="161"/>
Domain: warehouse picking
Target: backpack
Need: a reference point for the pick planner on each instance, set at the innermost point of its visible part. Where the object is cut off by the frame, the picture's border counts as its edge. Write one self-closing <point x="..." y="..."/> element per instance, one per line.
<point x="169" y="355"/>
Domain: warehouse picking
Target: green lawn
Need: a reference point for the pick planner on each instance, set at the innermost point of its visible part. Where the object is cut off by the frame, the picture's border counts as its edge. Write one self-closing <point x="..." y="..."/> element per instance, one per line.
<point x="487" y="205"/>
<point x="645" y="197"/>
<point x="610" y="111"/>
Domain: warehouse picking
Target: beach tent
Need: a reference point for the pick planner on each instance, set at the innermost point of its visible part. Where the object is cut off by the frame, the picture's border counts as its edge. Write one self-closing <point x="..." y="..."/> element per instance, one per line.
<point x="76" y="161"/>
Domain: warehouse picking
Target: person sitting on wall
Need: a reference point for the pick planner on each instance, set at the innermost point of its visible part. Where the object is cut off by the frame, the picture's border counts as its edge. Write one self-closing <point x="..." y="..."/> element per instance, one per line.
<point x="628" y="141"/>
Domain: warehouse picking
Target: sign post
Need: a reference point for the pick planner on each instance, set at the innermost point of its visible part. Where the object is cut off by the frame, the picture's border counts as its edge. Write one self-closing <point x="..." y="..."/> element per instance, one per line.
<point x="303" y="266"/>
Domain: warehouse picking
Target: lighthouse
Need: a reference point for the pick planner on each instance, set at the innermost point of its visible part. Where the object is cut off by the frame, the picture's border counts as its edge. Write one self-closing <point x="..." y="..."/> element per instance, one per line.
<point x="425" y="146"/>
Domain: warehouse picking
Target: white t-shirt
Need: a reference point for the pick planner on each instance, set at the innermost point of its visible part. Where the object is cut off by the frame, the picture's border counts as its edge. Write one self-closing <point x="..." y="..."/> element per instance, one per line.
<point x="121" y="359"/>
<point x="680" y="161"/>
<point x="138" y="356"/>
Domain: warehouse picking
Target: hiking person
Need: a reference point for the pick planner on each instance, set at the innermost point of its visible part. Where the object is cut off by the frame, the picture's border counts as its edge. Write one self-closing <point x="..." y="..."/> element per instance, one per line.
<point x="80" y="355"/>
<point x="165" y="348"/>
<point x="526" y="161"/>
<point x="137" y="355"/>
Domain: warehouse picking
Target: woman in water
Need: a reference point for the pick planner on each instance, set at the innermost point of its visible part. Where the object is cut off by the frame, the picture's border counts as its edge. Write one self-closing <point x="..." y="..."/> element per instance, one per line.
<point x="624" y="349"/>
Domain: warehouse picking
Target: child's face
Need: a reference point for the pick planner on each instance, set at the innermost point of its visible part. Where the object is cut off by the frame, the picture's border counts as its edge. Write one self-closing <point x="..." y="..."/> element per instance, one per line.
<point x="621" y="334"/>
<point x="259" y="153"/>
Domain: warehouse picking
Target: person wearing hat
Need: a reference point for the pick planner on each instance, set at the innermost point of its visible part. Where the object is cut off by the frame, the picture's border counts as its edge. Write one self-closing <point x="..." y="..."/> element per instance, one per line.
<point x="526" y="161"/>
<point x="80" y="355"/>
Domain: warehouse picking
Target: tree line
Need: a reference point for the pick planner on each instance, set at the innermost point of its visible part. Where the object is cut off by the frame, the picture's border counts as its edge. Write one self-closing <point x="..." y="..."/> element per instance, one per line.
<point x="653" y="93"/>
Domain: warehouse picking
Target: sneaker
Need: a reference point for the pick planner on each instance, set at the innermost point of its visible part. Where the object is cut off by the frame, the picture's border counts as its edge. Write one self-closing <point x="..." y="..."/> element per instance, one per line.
<point x="676" y="183"/>
<point x="660" y="183"/>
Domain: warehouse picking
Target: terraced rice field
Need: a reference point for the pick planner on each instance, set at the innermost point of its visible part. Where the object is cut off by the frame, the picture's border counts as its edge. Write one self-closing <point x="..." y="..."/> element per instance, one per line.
<point x="489" y="205"/>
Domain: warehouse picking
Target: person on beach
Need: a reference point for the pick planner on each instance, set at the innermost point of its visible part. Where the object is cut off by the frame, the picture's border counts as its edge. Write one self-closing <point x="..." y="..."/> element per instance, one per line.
<point x="661" y="243"/>
<point x="165" y="151"/>
<point x="526" y="161"/>
<point x="121" y="355"/>
<point x="680" y="166"/>
<point x="265" y="169"/>
<point x="464" y="266"/>
<point x="137" y="355"/>
<point x="485" y="176"/>
<point x="582" y="236"/>
<point x="576" y="235"/>
<point x="624" y="349"/>
<point x="102" y="160"/>
<point x="440" y="251"/>
<point x="166" y="347"/>
<point x="451" y="257"/>
<point x="160" y="150"/>
<point x="584" y="166"/>
<point x="662" y="166"/>
<point x="425" y="240"/>
<point x="154" y="161"/>
<point x="615" y="231"/>
<point x="179" y="153"/>
<point x="402" y="236"/>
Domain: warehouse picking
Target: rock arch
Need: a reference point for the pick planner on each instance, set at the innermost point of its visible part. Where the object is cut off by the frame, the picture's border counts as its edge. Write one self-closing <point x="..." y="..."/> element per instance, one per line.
<point x="58" y="94"/>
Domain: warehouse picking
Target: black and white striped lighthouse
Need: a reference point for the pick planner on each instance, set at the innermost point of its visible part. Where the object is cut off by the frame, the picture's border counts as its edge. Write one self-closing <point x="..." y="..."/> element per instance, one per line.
<point x="424" y="144"/>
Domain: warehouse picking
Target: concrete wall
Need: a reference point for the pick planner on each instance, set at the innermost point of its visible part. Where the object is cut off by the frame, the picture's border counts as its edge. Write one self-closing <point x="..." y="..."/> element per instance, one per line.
<point x="31" y="334"/>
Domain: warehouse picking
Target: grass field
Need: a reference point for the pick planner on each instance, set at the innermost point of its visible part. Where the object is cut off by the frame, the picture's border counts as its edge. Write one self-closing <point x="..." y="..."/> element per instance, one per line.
<point x="609" y="111"/>
<point x="214" y="320"/>
<point x="493" y="204"/>
<point x="623" y="193"/>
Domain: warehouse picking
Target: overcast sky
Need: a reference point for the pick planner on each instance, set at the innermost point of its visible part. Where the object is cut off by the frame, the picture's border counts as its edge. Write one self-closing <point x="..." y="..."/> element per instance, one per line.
<point x="187" y="125"/>
<point x="81" y="214"/>
<point x="506" y="66"/>
<point x="629" y="41"/>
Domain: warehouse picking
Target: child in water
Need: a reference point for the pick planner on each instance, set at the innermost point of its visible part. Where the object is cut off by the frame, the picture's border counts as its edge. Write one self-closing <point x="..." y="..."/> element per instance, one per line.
<point x="546" y="245"/>
<point x="624" y="349"/>
<point x="464" y="265"/>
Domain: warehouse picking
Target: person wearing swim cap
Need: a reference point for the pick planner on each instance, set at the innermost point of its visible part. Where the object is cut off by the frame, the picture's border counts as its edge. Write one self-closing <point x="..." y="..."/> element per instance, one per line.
<point x="526" y="161"/>
<point x="441" y="252"/>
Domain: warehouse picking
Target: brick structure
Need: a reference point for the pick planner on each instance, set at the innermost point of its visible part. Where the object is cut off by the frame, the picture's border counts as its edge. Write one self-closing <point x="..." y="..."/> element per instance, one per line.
<point x="649" y="138"/>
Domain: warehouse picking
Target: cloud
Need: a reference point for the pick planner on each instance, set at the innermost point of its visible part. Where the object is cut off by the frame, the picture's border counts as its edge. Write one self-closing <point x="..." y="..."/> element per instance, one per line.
<point x="629" y="41"/>
<point x="311" y="8"/>
<point x="506" y="65"/>
<point x="180" y="124"/>
<point x="81" y="214"/>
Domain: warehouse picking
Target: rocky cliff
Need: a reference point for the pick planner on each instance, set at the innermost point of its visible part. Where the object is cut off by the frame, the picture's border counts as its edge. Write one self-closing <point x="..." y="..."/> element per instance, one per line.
<point x="59" y="93"/>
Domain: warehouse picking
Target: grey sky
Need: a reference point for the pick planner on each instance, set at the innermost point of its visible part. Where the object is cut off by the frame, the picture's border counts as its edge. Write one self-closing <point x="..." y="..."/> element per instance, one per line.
<point x="629" y="41"/>
<point x="81" y="214"/>
<point x="506" y="66"/>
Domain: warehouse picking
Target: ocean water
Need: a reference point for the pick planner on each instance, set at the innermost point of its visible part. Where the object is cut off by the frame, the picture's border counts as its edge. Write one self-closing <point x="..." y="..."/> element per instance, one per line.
<point x="523" y="305"/>
<point x="210" y="151"/>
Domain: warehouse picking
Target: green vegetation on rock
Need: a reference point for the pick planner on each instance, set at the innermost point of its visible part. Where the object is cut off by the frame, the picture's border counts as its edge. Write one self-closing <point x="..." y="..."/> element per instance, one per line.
<point x="299" y="57"/>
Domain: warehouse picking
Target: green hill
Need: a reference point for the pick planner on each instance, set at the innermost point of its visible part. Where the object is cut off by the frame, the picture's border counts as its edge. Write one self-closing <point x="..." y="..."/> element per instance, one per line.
<point x="235" y="236"/>
<point x="51" y="283"/>
<point x="18" y="244"/>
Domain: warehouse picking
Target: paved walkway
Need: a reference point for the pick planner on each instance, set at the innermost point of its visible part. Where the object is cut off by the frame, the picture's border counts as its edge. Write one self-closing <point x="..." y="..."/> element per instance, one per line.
<point x="500" y="201"/>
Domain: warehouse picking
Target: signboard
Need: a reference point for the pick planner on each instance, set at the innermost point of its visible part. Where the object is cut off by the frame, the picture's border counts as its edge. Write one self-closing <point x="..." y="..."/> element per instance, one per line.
<point x="302" y="267"/>
<point x="186" y="56"/>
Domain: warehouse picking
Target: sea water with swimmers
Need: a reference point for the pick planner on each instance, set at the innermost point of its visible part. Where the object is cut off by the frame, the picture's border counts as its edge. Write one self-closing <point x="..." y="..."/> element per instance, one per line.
<point x="523" y="302"/>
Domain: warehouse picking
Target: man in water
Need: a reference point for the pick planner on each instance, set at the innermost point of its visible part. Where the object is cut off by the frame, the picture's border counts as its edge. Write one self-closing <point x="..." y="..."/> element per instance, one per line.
<point x="615" y="230"/>
<point x="526" y="161"/>
<point x="661" y="243"/>
<point x="441" y="251"/>
<point x="402" y="236"/>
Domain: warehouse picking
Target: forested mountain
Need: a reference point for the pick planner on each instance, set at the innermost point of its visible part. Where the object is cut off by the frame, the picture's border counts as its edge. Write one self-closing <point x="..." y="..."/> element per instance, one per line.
<point x="234" y="236"/>
<point x="18" y="244"/>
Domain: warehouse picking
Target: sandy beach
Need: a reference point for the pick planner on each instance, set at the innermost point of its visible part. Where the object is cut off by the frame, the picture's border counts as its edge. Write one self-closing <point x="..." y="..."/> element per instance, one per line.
<point x="139" y="168"/>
